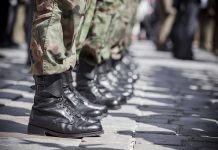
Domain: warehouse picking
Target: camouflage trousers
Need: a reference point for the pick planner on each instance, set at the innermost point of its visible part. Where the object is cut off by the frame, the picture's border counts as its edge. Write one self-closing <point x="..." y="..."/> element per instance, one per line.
<point x="54" y="32"/>
<point x="110" y="31"/>
<point x="123" y="25"/>
<point x="63" y="30"/>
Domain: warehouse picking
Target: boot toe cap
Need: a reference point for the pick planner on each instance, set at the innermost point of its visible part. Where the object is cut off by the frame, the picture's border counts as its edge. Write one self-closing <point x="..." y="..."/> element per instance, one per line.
<point x="94" y="113"/>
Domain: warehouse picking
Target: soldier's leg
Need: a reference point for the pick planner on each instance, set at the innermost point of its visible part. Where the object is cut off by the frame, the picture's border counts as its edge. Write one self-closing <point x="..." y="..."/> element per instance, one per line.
<point x="121" y="28"/>
<point x="90" y="57"/>
<point x="55" y="26"/>
<point x="120" y="49"/>
<point x="116" y="32"/>
<point x="50" y="56"/>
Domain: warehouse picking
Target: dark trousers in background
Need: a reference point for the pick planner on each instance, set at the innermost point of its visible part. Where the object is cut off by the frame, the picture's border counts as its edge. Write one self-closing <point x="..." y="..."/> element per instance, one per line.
<point x="8" y="18"/>
<point x="215" y="40"/>
<point x="184" y="29"/>
<point x="4" y="9"/>
<point x="28" y="28"/>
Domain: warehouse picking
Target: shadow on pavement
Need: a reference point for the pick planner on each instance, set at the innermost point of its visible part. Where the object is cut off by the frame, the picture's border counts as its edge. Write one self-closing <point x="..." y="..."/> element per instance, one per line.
<point x="187" y="115"/>
<point x="11" y="126"/>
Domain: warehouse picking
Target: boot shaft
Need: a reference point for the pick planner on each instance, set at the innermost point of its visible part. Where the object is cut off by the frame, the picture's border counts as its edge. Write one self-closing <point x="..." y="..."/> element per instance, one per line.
<point x="86" y="70"/>
<point x="105" y="67"/>
<point x="49" y="85"/>
<point x="85" y="73"/>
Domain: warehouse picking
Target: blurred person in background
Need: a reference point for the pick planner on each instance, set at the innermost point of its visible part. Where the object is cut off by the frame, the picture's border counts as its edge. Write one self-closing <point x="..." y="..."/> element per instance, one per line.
<point x="184" y="28"/>
<point x="207" y="24"/>
<point x="146" y="18"/>
<point x="8" y="18"/>
<point x="166" y="15"/>
<point x="215" y="38"/>
<point x="29" y="11"/>
<point x="3" y="19"/>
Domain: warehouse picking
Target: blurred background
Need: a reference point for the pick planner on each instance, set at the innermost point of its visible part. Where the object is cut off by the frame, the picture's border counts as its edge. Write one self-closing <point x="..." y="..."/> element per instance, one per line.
<point x="172" y="25"/>
<point x="15" y="24"/>
<point x="179" y="25"/>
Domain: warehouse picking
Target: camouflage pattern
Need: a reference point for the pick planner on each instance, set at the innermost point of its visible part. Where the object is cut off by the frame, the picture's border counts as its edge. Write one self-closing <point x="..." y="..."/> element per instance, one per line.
<point x="55" y="26"/>
<point x="131" y="19"/>
<point x="122" y="28"/>
<point x="85" y="26"/>
<point x="63" y="30"/>
<point x="118" y="30"/>
<point x="97" y="45"/>
<point x="107" y="35"/>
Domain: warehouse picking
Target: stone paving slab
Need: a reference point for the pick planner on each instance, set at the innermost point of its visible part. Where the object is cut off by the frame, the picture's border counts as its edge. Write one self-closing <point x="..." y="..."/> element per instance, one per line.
<point x="38" y="143"/>
<point x="112" y="141"/>
<point x="155" y="128"/>
<point x="12" y="96"/>
<point x="160" y="139"/>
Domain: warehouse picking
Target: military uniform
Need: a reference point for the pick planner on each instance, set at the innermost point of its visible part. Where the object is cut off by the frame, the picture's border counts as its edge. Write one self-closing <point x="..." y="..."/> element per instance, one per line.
<point x="58" y="109"/>
<point x="55" y="26"/>
<point x="108" y="32"/>
<point x="64" y="31"/>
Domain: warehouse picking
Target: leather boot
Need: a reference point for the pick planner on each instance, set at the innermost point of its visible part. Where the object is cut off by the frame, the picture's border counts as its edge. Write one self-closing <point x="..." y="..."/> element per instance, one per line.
<point x="123" y="71"/>
<point x="105" y="84"/>
<point x="81" y="103"/>
<point x="115" y="87"/>
<point x="115" y="80"/>
<point x="87" y="87"/>
<point x="52" y="114"/>
<point x="128" y="61"/>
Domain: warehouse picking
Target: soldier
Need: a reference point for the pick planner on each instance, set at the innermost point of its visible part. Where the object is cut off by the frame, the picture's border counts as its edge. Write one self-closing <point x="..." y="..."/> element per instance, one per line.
<point x="90" y="56"/>
<point x="103" y="46"/>
<point x="58" y="109"/>
<point x="59" y="37"/>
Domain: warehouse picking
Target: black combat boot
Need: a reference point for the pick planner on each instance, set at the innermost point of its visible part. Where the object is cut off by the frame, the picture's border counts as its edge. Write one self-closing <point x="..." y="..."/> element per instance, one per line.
<point x="87" y="87"/>
<point x="81" y="103"/>
<point x="113" y="83"/>
<point x="123" y="71"/>
<point x="129" y="62"/>
<point x="105" y="83"/>
<point x="52" y="114"/>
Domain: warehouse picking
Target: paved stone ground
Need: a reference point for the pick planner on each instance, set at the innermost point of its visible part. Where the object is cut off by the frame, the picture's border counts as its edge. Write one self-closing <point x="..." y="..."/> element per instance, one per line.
<point x="175" y="106"/>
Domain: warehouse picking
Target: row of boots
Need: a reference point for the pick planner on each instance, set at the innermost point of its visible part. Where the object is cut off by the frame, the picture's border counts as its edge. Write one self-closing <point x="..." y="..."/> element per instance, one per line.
<point x="64" y="110"/>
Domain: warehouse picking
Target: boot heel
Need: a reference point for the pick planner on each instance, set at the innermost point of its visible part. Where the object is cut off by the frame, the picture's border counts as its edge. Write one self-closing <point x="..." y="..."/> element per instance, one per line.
<point x="35" y="130"/>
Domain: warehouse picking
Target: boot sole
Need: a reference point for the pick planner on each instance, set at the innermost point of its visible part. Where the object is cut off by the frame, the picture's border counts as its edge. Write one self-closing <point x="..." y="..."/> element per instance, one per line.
<point x="100" y="117"/>
<point x="114" y="107"/>
<point x="34" y="130"/>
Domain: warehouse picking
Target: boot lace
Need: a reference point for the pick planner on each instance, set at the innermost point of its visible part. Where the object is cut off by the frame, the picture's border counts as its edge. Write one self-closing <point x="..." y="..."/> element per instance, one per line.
<point x="72" y="112"/>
